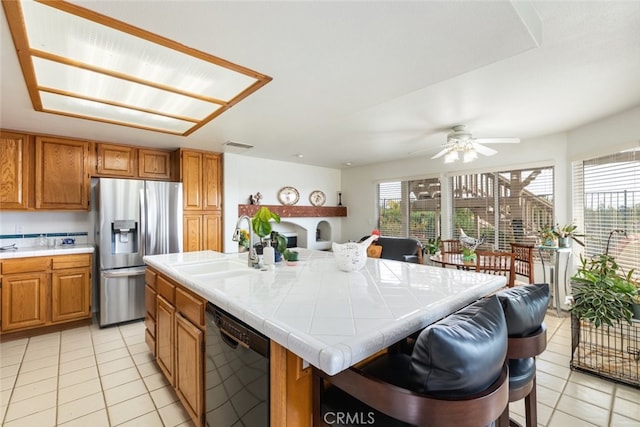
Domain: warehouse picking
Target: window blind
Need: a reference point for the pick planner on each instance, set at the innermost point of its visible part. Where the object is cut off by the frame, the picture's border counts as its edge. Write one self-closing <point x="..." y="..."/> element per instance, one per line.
<point x="608" y="199"/>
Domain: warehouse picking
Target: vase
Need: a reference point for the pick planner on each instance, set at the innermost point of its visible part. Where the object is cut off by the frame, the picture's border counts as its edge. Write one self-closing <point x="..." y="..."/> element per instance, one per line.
<point x="563" y="242"/>
<point x="635" y="307"/>
<point x="548" y="241"/>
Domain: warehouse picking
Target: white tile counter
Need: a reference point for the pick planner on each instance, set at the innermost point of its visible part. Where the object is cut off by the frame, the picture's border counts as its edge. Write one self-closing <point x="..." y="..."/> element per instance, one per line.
<point x="47" y="251"/>
<point x="328" y="317"/>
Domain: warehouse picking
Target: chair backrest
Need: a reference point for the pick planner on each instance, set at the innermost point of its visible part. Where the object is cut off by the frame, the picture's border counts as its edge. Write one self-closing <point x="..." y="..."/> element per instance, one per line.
<point x="524" y="260"/>
<point x="454" y="387"/>
<point x="498" y="263"/>
<point x="450" y="247"/>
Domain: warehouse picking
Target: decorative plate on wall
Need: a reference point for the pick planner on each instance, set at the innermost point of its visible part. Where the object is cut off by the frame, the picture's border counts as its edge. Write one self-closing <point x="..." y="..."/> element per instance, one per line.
<point x="317" y="198"/>
<point x="288" y="196"/>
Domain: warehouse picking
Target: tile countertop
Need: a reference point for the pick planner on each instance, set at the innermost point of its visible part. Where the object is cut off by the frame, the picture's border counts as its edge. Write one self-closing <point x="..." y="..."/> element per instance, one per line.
<point x="47" y="251"/>
<point x="330" y="318"/>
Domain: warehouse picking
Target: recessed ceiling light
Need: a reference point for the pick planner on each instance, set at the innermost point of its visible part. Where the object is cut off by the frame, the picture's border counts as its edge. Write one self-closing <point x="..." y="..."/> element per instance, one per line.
<point x="80" y="63"/>
<point x="348" y="164"/>
<point x="299" y="156"/>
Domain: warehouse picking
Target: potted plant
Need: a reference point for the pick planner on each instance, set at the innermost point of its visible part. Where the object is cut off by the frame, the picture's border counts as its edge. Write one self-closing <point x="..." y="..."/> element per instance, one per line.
<point x="602" y="291"/>
<point x="566" y="232"/>
<point x="261" y="223"/>
<point x="548" y="236"/>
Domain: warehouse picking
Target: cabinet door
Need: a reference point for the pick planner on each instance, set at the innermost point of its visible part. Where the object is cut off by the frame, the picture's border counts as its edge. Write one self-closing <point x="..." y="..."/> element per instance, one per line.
<point x="191" y="177"/>
<point x="150" y="318"/>
<point x="14" y="171"/>
<point x="24" y="300"/>
<point x="189" y="367"/>
<point x="192" y="233"/>
<point x="211" y="182"/>
<point x="212" y="231"/>
<point x="154" y="164"/>
<point x="165" y="337"/>
<point x="62" y="178"/>
<point x="116" y="160"/>
<point x="70" y="294"/>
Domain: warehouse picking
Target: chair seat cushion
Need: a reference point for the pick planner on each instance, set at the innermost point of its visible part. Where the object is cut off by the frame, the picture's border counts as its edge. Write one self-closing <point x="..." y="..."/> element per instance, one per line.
<point x="521" y="372"/>
<point x="461" y="354"/>
<point x="524" y="308"/>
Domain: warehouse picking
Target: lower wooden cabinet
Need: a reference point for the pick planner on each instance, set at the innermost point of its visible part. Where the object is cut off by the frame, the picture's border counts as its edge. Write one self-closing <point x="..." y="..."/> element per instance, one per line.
<point x="178" y="339"/>
<point x="40" y="291"/>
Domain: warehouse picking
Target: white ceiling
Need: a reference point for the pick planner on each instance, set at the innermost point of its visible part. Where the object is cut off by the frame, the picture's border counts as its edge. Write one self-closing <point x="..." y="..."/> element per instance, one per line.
<point x="367" y="82"/>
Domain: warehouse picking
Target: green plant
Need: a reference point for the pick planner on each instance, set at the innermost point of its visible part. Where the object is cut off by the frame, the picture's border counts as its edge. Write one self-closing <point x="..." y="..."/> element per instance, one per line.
<point x="602" y="291"/>
<point x="568" y="230"/>
<point x="261" y="222"/>
<point x="432" y="246"/>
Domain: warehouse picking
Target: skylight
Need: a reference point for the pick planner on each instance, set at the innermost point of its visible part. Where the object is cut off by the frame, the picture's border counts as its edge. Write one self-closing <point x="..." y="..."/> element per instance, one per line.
<point x="79" y="63"/>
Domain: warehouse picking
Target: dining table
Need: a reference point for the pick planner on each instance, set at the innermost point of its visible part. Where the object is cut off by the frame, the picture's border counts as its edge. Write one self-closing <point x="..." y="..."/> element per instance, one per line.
<point x="454" y="260"/>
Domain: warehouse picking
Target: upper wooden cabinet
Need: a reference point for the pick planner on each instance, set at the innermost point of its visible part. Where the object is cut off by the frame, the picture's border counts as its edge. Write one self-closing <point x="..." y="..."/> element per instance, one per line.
<point x="154" y="164"/>
<point x="200" y="173"/>
<point x="132" y="162"/>
<point x="15" y="156"/>
<point x="115" y="160"/>
<point x="62" y="175"/>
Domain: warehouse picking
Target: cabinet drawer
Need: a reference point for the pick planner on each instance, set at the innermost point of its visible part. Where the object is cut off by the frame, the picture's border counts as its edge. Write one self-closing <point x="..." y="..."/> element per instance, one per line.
<point x="150" y="278"/>
<point x="165" y="288"/>
<point x="191" y="307"/>
<point x="150" y="300"/>
<point x="26" y="265"/>
<point x="71" y="261"/>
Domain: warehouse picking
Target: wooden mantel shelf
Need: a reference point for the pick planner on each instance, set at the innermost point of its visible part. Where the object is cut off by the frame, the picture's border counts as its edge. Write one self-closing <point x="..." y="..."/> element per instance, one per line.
<point x="295" y="211"/>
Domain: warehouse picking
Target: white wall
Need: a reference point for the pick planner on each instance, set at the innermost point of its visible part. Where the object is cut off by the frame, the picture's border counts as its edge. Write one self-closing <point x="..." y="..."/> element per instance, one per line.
<point x="245" y="175"/>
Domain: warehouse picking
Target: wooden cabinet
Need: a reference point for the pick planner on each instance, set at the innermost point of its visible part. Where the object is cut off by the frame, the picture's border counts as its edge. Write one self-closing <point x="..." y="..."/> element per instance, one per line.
<point x="131" y="162"/>
<point x="201" y="176"/>
<point x="115" y="160"/>
<point x="179" y="339"/>
<point x="62" y="175"/>
<point x="154" y="164"/>
<point x="41" y="291"/>
<point x="150" y="295"/>
<point x="15" y="157"/>
<point x="70" y="295"/>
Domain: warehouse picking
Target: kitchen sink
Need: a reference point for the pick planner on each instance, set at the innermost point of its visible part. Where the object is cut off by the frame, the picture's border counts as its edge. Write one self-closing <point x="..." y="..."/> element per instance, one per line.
<point x="221" y="267"/>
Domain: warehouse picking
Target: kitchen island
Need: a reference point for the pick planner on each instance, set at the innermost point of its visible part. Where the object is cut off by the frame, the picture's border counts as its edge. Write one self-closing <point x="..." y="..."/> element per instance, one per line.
<point x="315" y="314"/>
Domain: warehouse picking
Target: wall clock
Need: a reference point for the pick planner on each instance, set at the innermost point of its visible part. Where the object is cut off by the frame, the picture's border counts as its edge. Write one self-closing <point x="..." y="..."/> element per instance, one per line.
<point x="288" y="196"/>
<point x="317" y="198"/>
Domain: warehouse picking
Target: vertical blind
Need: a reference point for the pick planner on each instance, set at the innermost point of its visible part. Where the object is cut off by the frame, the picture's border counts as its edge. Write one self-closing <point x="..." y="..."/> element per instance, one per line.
<point x="607" y="198"/>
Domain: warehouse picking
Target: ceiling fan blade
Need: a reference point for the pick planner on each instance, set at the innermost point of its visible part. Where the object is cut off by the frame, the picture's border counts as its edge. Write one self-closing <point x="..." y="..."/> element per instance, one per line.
<point x="497" y="140"/>
<point x="442" y="153"/>
<point x="484" y="150"/>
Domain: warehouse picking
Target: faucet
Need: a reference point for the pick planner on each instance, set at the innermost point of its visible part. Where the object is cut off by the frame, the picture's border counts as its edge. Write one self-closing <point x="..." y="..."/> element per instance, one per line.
<point x="252" y="261"/>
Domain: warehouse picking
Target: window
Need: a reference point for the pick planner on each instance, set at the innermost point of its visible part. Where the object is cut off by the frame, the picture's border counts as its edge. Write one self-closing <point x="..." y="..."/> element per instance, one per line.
<point x="505" y="207"/>
<point x="608" y="198"/>
<point x="410" y="208"/>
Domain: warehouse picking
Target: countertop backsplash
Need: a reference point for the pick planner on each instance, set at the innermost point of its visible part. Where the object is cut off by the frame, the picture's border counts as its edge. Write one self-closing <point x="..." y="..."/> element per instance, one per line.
<point x="54" y="239"/>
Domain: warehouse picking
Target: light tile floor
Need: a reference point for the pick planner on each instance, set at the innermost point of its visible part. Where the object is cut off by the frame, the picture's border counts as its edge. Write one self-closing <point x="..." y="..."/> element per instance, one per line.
<point x="105" y="377"/>
<point x="85" y="377"/>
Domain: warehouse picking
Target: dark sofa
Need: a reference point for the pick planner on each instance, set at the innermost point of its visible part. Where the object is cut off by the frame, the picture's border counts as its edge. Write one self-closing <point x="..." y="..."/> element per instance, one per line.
<point x="400" y="248"/>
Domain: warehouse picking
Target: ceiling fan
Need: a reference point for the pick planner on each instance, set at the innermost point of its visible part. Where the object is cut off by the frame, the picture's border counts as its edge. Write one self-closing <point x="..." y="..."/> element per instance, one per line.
<point x="461" y="142"/>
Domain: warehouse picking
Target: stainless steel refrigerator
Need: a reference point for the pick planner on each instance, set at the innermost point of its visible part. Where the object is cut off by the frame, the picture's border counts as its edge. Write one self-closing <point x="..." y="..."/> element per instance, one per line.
<point x="135" y="218"/>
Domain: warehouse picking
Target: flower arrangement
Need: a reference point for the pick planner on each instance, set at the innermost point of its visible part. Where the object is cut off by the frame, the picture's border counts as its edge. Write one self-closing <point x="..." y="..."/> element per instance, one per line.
<point x="549" y="234"/>
<point x="244" y="238"/>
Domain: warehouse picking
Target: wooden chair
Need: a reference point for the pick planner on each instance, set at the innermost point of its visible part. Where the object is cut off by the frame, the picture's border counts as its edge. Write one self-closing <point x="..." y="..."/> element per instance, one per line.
<point x="524" y="308"/>
<point x="391" y="389"/>
<point x="524" y="260"/>
<point x="450" y="247"/>
<point x="498" y="263"/>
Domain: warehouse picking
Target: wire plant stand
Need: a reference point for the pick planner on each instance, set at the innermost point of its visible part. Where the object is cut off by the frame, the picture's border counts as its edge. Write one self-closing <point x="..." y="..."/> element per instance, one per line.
<point x="611" y="352"/>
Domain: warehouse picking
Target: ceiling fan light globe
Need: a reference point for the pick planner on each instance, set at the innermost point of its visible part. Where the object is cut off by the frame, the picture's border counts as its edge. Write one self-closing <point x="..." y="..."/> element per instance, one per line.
<point x="451" y="156"/>
<point x="470" y="156"/>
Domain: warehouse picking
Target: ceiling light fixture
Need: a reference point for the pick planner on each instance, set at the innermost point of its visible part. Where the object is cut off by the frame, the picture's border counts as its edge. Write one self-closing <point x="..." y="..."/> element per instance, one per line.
<point x="82" y="64"/>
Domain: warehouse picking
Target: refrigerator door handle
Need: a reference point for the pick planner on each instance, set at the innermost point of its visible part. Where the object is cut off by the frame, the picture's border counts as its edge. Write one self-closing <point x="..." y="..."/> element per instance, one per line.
<point x="143" y="220"/>
<point x="124" y="272"/>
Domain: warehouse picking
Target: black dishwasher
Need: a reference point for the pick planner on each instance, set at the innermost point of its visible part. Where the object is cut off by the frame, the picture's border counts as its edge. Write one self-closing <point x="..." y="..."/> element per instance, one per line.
<point x="237" y="372"/>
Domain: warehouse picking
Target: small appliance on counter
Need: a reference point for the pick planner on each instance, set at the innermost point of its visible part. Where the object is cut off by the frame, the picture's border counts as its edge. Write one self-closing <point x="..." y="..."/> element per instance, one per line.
<point x="135" y="218"/>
